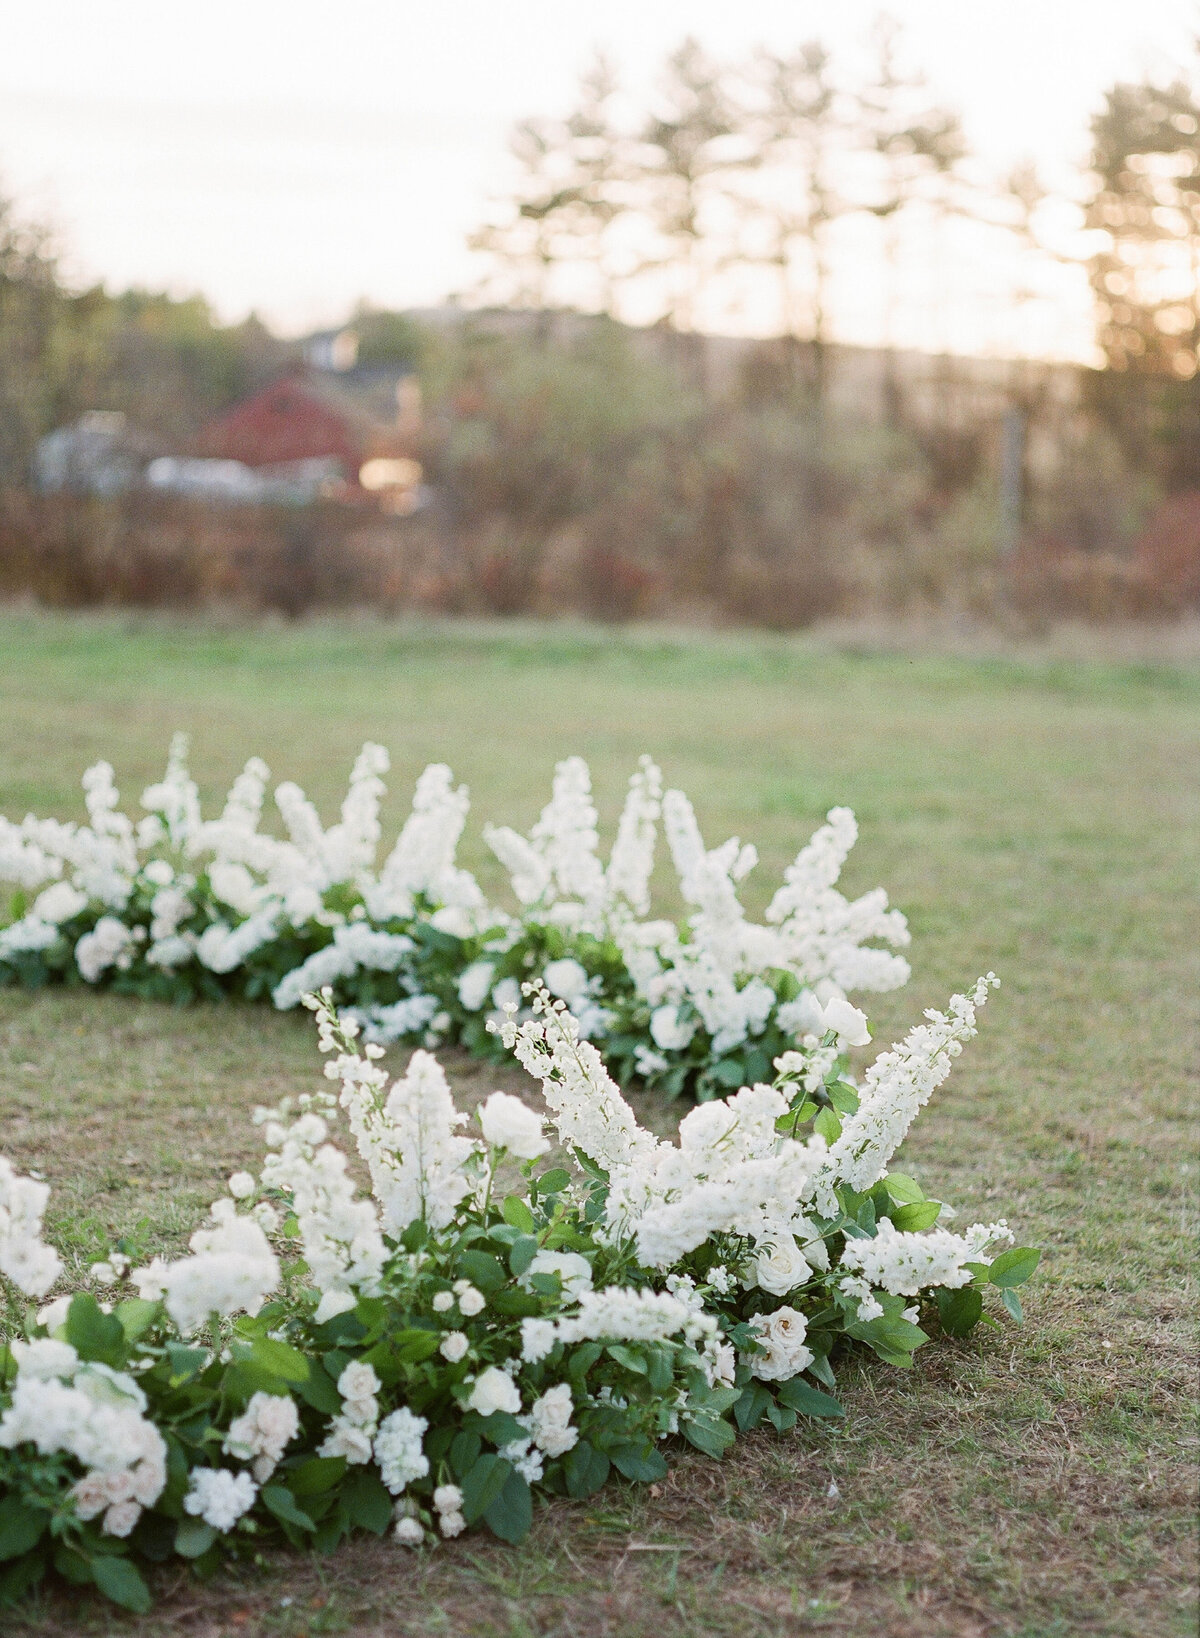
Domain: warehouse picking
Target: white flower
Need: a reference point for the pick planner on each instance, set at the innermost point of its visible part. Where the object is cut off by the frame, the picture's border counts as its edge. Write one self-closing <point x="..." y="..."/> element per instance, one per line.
<point x="846" y="1022"/>
<point x="668" y="1029"/>
<point x="447" y="1498"/>
<point x="550" y="1421"/>
<point x="442" y="1301"/>
<point x="782" y="1336"/>
<point x="398" y="1449"/>
<point x="537" y="1339"/>
<point x="494" y="1390"/>
<point x="566" y="978"/>
<point x="453" y="1346"/>
<point x="474" y="983"/>
<point x="358" y="1381"/>
<point x="507" y="993"/>
<point x="409" y="1532"/>
<point x="241" y="1185"/>
<point x="452" y="1524"/>
<point x="781" y="1267"/>
<point x="44" y="1358"/>
<point x="508" y="1124"/>
<point x="263" y="1432"/>
<point x="219" y="1497"/>
<point x="58" y="903"/>
<point x="574" y="1270"/>
<point x="348" y="1439"/>
<point x="470" y="1301"/>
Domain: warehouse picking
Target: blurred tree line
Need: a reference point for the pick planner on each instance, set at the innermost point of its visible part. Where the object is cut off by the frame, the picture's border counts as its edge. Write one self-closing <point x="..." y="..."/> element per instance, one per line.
<point x="577" y="462"/>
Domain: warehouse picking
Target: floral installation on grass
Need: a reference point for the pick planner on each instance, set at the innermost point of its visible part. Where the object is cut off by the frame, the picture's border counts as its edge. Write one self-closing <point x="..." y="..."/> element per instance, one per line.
<point x="486" y="1326"/>
<point x="175" y="907"/>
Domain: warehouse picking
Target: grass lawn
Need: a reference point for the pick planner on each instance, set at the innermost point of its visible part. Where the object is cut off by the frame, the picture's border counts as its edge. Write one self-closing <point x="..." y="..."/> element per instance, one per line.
<point x="1039" y="819"/>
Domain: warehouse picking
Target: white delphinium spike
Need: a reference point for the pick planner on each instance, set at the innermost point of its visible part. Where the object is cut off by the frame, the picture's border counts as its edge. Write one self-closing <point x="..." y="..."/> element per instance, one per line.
<point x="422" y="861"/>
<point x="907" y="1263"/>
<point x="339" y="1231"/>
<point x="302" y="820"/>
<point x="631" y="863"/>
<point x="528" y="871"/>
<point x="897" y="1085"/>
<point x="232" y="837"/>
<point x="566" y="836"/>
<point x="585" y="1103"/>
<point x="23" y="860"/>
<point x="349" y="846"/>
<point x="173" y="804"/>
<point x="355" y="945"/>
<point x="419" y="1165"/>
<point x="707" y="880"/>
<point x="818" y="864"/>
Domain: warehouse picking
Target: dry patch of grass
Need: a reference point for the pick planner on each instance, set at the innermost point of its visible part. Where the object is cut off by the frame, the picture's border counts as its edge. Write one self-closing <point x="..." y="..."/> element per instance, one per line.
<point x="1039" y="819"/>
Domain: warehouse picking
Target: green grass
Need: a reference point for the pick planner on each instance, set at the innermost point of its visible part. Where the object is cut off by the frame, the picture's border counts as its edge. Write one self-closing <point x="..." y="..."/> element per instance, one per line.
<point x="1042" y="819"/>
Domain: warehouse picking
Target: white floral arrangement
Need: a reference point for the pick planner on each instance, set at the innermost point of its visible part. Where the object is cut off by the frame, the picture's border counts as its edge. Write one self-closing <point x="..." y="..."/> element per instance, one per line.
<point x="175" y="907"/>
<point x="485" y="1327"/>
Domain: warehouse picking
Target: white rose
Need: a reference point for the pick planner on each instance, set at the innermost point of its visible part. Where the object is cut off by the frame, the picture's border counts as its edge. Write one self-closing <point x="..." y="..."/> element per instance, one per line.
<point x="241" y="1185"/>
<point x="508" y="1124"/>
<point x="453" y="1346"/>
<point x="781" y="1268"/>
<point x="782" y="1337"/>
<point x="566" y="979"/>
<point x="494" y="1391"/>
<point x="470" y="1301"/>
<point x="358" y="1381"/>
<point x="409" y="1532"/>
<point x="848" y="1023"/>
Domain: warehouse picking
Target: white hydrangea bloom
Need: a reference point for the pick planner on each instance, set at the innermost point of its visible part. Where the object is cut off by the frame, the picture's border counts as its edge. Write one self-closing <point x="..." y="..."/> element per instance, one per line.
<point x="219" y="1496"/>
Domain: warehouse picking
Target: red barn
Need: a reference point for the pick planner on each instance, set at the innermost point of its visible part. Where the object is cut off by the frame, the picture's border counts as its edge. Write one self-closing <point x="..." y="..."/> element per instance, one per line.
<point x="301" y="417"/>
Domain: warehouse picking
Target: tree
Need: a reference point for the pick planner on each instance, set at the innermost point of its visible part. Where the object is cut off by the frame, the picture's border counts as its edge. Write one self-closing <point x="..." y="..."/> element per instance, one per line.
<point x="689" y="147"/>
<point x="1144" y="207"/>
<point x="564" y="201"/>
<point x="914" y="148"/>
<point x="799" y="132"/>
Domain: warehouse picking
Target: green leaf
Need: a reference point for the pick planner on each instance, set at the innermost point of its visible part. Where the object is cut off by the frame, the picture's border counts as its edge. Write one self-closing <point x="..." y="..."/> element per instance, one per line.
<point x="629" y="1357"/>
<point x="554" y="1181"/>
<point x="522" y="1254"/>
<point x="21" y="1527"/>
<point x="367" y="1500"/>
<point x="827" y="1125"/>
<point x="585" y="1469"/>
<point x="905" y="1190"/>
<point x="662" y="1368"/>
<point x="482" y="1270"/>
<point x="1012" y="1303"/>
<point x="807" y="1400"/>
<point x="185" y="1362"/>
<point x="278" y="1499"/>
<point x="922" y="1214"/>
<point x="843" y="1098"/>
<point x="135" y="1316"/>
<point x="483" y="1484"/>
<point x="1014" y="1267"/>
<point x="729" y="1071"/>
<point x="278" y="1358"/>
<point x="516" y="1212"/>
<point x="319" y="1391"/>
<point x="582" y="1361"/>
<point x="120" y="1581"/>
<point x="751" y="1407"/>
<point x="414" y="1345"/>
<point x="501" y="1429"/>
<point x="511" y="1514"/>
<point x="959" y="1310"/>
<point x="708" y="1434"/>
<point x="94" y="1335"/>
<point x="19" y="1579"/>
<point x="193" y="1537"/>
<point x="315" y="1476"/>
<point x="641" y="1463"/>
<point x="463" y="1451"/>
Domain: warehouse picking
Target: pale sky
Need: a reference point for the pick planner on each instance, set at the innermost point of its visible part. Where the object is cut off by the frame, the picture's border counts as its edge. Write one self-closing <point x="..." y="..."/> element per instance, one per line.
<point x="291" y="156"/>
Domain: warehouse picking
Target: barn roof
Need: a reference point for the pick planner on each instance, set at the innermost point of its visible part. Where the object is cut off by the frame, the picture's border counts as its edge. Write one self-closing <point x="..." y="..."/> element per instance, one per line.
<point x="301" y="415"/>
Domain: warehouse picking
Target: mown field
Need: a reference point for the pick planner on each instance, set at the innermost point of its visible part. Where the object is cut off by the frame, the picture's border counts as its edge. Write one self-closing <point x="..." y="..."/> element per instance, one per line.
<point x="1040" y="819"/>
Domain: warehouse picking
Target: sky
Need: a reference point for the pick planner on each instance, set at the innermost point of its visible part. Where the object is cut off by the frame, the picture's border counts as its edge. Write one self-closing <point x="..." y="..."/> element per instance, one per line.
<point x="293" y="157"/>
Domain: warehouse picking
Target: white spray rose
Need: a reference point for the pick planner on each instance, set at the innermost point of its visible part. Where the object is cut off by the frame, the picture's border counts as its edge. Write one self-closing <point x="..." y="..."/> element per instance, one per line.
<point x="494" y="1391"/>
